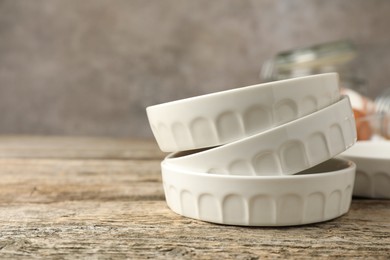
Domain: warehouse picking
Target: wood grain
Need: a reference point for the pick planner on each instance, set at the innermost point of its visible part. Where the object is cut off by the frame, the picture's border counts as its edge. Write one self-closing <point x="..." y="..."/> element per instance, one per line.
<point x="100" y="207"/>
<point x="77" y="148"/>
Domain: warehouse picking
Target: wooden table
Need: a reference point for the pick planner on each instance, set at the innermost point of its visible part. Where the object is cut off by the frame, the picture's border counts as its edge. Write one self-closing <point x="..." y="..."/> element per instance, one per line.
<point x="103" y="198"/>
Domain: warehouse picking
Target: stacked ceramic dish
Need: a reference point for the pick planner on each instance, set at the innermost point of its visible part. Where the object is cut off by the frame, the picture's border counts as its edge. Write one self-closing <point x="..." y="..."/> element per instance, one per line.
<point x="259" y="155"/>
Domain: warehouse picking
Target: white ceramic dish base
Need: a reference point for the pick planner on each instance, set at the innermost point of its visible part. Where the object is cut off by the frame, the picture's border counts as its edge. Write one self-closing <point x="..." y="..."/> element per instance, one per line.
<point x="261" y="200"/>
<point x="372" y="160"/>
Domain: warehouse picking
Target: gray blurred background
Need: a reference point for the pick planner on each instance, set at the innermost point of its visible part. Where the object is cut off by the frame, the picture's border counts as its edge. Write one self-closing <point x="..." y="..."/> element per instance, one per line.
<point x="90" y="67"/>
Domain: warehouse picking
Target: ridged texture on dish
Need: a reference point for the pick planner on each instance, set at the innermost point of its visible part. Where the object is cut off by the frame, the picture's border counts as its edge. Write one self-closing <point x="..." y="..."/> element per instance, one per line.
<point x="257" y="202"/>
<point x="371" y="184"/>
<point x="284" y="150"/>
<point x="224" y="117"/>
<point x="373" y="168"/>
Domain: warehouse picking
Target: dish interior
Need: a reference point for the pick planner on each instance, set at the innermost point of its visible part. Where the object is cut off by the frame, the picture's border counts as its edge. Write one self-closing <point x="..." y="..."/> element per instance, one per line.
<point x="327" y="166"/>
<point x="331" y="166"/>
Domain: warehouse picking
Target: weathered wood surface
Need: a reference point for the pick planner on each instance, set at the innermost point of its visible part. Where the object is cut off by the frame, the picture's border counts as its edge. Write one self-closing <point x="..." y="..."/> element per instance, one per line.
<point x="101" y="198"/>
<point x="77" y="148"/>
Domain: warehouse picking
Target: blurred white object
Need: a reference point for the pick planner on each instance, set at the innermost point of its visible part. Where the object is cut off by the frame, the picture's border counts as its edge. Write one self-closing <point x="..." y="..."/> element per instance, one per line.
<point x="373" y="168"/>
